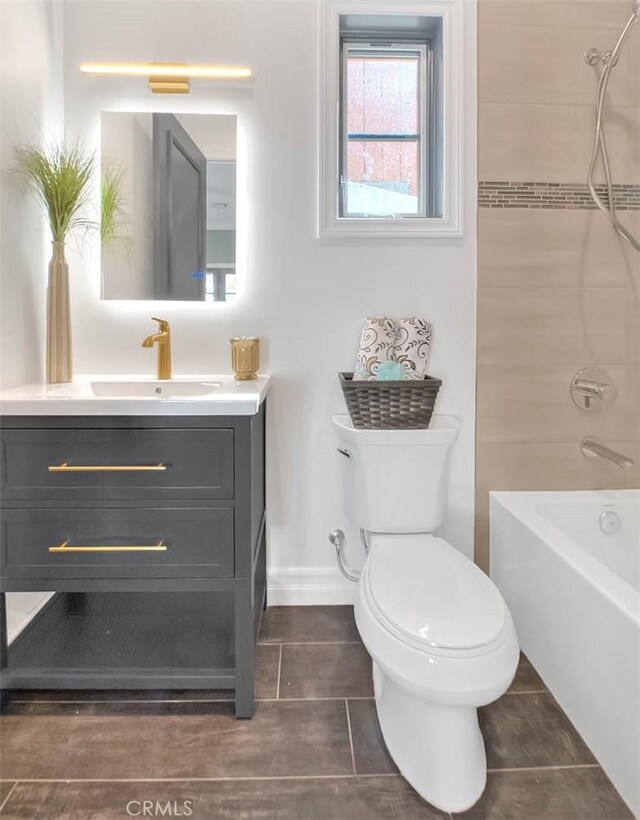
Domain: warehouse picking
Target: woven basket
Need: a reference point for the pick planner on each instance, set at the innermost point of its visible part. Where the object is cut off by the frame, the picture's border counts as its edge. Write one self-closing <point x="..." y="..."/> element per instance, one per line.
<point x="390" y="405"/>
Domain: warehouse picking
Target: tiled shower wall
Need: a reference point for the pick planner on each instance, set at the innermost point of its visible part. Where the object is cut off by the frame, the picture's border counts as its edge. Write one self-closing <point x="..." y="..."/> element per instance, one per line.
<point x="557" y="289"/>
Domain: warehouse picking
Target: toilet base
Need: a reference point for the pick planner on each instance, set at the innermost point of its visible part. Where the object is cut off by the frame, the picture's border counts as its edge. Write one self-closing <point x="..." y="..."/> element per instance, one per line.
<point x="438" y="749"/>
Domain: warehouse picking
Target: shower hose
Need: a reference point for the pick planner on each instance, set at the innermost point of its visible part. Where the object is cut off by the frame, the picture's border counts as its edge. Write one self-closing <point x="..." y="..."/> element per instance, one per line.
<point x="608" y="60"/>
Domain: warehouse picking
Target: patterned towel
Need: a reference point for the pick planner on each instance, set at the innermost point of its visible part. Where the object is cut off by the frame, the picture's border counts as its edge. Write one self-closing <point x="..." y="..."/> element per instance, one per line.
<point x="377" y="343"/>
<point x="412" y="346"/>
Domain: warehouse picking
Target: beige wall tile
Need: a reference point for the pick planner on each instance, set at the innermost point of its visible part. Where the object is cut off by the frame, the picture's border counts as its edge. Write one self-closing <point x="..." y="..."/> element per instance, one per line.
<point x="575" y="13"/>
<point x="553" y="143"/>
<point x="632" y="476"/>
<point x="623" y="126"/>
<point x="543" y="467"/>
<point x="545" y="248"/>
<point x="633" y="380"/>
<point x="481" y="553"/>
<point x="633" y="323"/>
<point x="544" y="326"/>
<point x="546" y="65"/>
<point x="516" y="404"/>
<point x="558" y="290"/>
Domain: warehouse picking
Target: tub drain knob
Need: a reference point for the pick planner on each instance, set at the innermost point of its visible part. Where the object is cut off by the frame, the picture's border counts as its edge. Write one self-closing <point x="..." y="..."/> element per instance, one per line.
<point x="609" y="522"/>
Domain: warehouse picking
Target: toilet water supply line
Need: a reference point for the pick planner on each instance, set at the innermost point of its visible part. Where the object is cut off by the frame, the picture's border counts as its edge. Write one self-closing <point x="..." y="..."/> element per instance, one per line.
<point x="337" y="538"/>
<point x="608" y="60"/>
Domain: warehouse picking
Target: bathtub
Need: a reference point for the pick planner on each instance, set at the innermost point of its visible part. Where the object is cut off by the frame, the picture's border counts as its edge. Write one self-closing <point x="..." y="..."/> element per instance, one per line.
<point x="574" y="593"/>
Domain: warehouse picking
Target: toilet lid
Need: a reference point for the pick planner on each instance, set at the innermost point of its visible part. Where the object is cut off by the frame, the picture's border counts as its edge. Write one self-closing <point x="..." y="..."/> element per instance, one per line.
<point x="432" y="594"/>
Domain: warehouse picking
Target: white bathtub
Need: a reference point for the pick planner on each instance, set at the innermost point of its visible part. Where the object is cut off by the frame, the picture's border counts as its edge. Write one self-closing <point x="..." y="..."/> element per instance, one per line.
<point x="574" y="593"/>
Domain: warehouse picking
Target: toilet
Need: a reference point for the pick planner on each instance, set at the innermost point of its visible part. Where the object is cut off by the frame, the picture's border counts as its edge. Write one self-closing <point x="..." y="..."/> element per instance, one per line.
<point x="437" y="629"/>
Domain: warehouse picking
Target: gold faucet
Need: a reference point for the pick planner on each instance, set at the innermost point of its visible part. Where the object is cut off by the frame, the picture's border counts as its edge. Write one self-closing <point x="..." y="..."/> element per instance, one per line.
<point x="163" y="339"/>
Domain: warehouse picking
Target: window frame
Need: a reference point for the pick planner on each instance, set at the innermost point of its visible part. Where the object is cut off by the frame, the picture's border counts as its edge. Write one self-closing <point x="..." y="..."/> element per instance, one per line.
<point x="383" y="45"/>
<point x="447" y="180"/>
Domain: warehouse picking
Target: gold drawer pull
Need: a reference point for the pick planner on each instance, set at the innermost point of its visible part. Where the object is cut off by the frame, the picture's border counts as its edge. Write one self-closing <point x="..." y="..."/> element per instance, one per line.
<point x="107" y="468"/>
<point x="159" y="547"/>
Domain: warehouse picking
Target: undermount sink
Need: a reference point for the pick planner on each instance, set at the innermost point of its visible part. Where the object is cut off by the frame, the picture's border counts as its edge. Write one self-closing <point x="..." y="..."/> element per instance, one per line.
<point x="154" y="389"/>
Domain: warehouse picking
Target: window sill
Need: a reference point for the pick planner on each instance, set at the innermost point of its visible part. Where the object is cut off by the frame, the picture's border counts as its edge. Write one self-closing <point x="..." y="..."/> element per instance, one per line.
<point x="418" y="228"/>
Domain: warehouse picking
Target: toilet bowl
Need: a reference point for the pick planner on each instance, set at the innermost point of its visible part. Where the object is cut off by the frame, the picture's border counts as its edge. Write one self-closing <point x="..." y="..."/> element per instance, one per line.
<point x="443" y="644"/>
<point x="440" y="636"/>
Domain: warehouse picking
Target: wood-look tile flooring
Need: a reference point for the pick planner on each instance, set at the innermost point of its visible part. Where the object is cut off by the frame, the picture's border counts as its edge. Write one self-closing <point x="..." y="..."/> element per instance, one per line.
<point x="313" y="751"/>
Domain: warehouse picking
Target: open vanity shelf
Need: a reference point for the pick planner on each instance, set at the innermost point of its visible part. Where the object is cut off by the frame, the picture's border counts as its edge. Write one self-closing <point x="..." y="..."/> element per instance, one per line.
<point x="159" y="575"/>
<point x="150" y="640"/>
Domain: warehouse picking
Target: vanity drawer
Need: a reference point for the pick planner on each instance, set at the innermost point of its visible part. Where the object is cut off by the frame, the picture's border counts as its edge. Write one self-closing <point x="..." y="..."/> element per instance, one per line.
<point x="148" y="542"/>
<point x="117" y="464"/>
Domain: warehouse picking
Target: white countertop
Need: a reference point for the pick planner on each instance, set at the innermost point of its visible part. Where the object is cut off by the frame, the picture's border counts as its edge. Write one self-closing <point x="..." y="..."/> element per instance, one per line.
<point x="231" y="398"/>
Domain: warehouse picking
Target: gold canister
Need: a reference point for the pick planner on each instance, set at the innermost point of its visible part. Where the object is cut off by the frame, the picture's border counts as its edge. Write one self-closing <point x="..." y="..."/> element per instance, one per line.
<point x="245" y="357"/>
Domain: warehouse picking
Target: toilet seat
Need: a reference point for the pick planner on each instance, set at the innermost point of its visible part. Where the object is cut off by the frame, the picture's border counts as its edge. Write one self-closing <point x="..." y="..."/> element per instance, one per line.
<point x="431" y="597"/>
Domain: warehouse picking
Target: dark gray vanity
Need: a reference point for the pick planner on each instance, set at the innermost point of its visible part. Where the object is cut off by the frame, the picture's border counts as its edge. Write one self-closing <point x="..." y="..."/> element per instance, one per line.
<point x="150" y="530"/>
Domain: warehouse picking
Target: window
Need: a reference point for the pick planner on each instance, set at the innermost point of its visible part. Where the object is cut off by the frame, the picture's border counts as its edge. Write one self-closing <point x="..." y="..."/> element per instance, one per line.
<point x="385" y="145"/>
<point x="220" y="283"/>
<point x="391" y="145"/>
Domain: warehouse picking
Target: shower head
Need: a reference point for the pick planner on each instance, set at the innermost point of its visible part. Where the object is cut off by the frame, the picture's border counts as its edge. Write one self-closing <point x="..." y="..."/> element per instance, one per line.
<point x="636" y="7"/>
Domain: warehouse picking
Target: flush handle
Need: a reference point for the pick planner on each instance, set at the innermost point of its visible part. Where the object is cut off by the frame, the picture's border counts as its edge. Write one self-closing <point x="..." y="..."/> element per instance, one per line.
<point x="344" y="452"/>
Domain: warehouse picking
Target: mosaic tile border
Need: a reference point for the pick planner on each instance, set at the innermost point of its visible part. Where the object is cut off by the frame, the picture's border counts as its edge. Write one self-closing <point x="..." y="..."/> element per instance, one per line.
<point x="553" y="195"/>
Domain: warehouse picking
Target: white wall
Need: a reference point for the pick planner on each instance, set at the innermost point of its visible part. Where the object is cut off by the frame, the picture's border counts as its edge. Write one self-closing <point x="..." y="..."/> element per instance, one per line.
<point x="30" y="112"/>
<point x="126" y="144"/>
<point x="216" y="137"/>
<point x="304" y="297"/>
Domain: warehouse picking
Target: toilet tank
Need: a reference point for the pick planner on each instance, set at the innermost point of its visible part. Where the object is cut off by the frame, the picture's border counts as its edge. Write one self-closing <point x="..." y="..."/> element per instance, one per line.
<point x="395" y="480"/>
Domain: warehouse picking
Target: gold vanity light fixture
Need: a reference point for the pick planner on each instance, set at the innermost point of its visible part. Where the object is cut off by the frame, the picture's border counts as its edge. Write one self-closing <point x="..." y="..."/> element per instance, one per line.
<point x="245" y="357"/>
<point x="168" y="78"/>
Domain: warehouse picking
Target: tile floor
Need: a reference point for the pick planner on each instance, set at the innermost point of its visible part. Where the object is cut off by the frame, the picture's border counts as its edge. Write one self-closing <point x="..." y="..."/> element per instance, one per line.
<point x="313" y="751"/>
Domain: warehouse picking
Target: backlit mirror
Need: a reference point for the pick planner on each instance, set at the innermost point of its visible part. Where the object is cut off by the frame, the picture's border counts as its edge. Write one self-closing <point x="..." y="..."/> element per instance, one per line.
<point x="168" y="206"/>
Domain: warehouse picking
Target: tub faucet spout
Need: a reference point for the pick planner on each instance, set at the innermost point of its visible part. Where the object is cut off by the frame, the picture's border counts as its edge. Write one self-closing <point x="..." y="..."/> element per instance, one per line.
<point x="593" y="448"/>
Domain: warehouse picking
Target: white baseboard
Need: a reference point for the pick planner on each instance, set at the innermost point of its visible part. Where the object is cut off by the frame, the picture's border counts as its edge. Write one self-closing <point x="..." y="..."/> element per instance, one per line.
<point x="307" y="586"/>
<point x="22" y="607"/>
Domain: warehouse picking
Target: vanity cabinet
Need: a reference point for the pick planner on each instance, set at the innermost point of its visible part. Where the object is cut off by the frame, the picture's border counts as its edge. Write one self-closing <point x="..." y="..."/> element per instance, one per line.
<point x="150" y="532"/>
